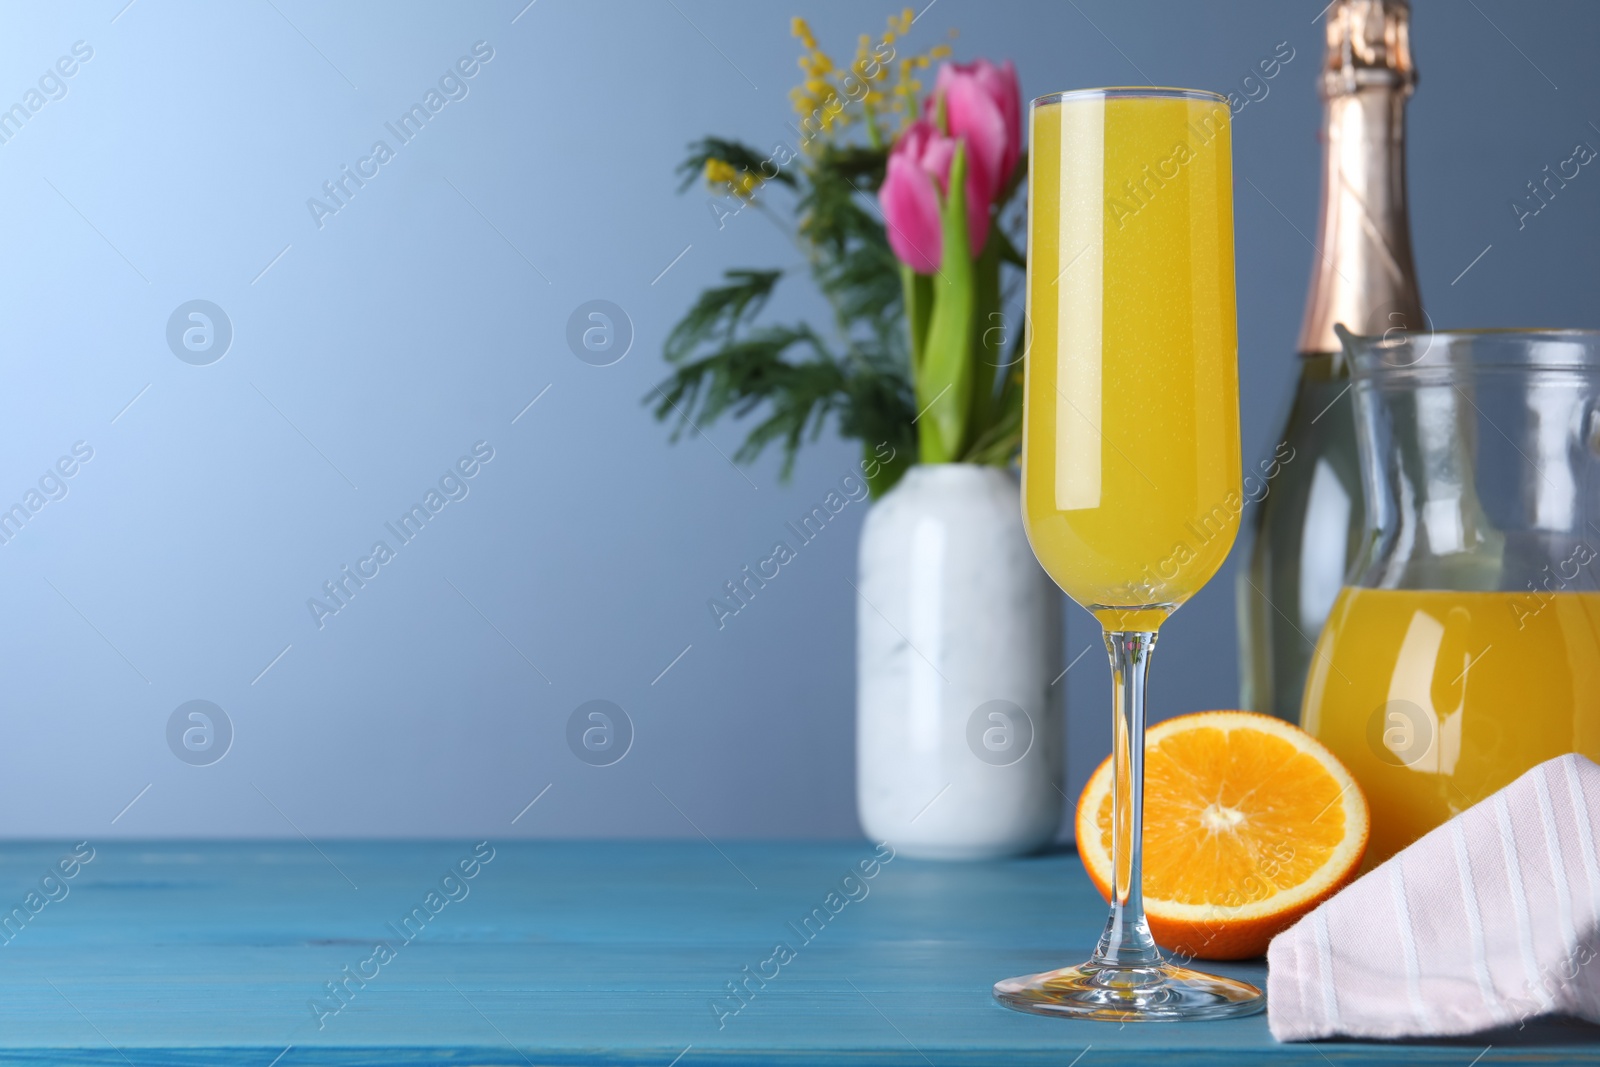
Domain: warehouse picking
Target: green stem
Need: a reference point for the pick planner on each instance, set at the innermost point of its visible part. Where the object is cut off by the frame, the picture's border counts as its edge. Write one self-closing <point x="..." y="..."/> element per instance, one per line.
<point x="918" y="299"/>
<point x="884" y="475"/>
<point x="873" y="133"/>
<point x="988" y="346"/>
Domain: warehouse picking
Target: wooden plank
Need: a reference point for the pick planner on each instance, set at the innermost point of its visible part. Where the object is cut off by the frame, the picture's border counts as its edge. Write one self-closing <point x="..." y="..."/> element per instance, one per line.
<point x="584" y="953"/>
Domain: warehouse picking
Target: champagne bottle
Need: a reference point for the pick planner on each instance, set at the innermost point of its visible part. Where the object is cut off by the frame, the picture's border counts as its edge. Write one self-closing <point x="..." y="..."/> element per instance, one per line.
<point x="1310" y="522"/>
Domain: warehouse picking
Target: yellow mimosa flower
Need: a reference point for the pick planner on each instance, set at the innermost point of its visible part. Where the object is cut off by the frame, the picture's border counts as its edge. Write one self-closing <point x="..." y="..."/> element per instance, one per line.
<point x="720" y="174"/>
<point x="823" y="99"/>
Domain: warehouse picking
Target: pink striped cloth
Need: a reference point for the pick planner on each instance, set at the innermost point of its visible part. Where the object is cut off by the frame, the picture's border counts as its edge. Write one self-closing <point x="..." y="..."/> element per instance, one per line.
<point x="1489" y="920"/>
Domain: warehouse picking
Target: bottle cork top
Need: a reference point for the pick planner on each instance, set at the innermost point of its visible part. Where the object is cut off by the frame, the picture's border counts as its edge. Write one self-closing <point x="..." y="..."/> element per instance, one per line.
<point x="1369" y="43"/>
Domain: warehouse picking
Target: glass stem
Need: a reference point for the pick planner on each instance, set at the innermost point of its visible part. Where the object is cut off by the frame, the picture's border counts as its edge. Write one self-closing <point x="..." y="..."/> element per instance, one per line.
<point x="1127" y="941"/>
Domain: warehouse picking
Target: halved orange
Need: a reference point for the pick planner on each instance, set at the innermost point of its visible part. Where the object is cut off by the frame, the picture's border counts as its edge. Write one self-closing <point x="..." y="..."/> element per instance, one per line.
<point x="1249" y="823"/>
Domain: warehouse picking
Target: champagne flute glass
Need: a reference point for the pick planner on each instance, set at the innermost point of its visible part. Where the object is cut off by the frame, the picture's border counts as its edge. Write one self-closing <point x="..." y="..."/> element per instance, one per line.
<point x="1130" y="458"/>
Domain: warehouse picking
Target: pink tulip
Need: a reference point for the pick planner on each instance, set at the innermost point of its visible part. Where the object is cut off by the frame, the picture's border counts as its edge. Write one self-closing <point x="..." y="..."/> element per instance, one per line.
<point x="983" y="110"/>
<point x="910" y="203"/>
<point x="983" y="105"/>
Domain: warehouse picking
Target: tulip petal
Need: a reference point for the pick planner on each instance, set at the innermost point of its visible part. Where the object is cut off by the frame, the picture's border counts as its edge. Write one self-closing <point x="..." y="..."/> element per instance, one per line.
<point x="976" y="119"/>
<point x="911" y="210"/>
<point x="1001" y="85"/>
<point x="937" y="151"/>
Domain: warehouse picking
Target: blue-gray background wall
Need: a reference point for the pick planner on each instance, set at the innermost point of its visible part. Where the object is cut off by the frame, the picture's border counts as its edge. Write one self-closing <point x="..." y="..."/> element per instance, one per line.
<point x="370" y="352"/>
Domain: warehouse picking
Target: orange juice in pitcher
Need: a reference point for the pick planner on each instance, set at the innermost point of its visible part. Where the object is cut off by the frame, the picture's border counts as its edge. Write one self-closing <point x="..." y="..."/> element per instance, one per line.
<point x="1465" y="646"/>
<point x="1435" y="699"/>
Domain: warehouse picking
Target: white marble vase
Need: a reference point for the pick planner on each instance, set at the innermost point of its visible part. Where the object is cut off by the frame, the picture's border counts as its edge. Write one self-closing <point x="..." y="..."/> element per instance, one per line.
<point x="958" y="641"/>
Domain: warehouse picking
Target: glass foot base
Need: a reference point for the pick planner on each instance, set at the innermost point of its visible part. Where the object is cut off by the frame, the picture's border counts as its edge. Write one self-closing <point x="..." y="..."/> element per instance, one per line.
<point x="1160" y="993"/>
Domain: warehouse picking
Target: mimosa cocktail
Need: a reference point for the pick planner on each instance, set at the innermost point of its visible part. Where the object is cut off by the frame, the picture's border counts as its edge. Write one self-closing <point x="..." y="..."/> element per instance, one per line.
<point x="1132" y="496"/>
<point x="1130" y="454"/>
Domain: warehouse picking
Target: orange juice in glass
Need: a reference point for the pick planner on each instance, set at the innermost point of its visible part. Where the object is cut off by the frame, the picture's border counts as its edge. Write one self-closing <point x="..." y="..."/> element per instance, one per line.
<point x="1131" y="454"/>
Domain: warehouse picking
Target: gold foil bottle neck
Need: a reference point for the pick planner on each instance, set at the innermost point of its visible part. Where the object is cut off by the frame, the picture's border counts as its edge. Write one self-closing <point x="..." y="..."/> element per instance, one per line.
<point x="1369" y="43"/>
<point x="1363" y="274"/>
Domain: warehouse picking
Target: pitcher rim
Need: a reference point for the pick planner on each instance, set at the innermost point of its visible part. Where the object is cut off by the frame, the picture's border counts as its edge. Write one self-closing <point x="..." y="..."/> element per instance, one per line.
<point x="1397" y="350"/>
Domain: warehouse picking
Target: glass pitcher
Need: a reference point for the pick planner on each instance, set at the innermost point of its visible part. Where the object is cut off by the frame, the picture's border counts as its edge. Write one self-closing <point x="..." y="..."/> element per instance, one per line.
<point x="1465" y="646"/>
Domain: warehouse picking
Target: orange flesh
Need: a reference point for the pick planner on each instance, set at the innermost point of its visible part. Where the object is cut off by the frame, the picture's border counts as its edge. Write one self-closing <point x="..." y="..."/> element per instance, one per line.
<point x="1232" y="815"/>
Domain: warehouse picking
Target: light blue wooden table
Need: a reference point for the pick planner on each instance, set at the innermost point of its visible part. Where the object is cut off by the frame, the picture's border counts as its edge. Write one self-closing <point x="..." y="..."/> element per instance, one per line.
<point x="583" y="953"/>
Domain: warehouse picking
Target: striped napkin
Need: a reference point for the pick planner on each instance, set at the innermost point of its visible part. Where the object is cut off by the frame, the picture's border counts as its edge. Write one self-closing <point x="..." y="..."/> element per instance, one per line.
<point x="1489" y="920"/>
